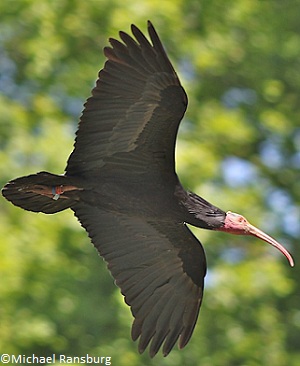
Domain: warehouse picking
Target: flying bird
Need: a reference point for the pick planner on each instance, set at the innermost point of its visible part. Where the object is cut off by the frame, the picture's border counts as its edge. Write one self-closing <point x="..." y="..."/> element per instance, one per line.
<point x="121" y="183"/>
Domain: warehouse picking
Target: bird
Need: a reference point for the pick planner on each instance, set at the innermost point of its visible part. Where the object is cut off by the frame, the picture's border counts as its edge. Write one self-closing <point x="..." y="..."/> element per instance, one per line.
<point x="121" y="183"/>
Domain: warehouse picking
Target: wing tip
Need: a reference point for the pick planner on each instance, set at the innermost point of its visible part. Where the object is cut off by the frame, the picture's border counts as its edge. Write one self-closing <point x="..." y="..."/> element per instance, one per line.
<point x="149" y="24"/>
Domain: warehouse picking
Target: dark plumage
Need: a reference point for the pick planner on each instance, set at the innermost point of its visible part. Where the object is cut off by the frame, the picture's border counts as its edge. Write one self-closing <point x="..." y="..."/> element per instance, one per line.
<point x="120" y="181"/>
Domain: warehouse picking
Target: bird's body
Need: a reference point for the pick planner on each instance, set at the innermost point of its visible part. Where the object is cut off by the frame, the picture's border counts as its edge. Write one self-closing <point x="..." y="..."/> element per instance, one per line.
<point x="121" y="183"/>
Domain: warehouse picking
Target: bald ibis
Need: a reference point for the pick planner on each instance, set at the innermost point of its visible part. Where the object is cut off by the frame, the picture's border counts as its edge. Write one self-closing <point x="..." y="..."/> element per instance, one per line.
<point x="121" y="183"/>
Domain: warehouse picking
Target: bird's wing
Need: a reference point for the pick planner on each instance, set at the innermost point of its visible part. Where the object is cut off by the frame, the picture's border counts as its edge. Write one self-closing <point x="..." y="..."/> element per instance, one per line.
<point x="132" y="117"/>
<point x="160" y="269"/>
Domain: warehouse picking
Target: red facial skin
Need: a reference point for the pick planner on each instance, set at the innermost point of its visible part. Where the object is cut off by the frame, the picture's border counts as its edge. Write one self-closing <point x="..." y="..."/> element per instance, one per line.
<point x="237" y="224"/>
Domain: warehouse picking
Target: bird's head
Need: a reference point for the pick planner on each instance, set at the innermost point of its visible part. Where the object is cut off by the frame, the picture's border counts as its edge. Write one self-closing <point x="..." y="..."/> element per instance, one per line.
<point x="237" y="224"/>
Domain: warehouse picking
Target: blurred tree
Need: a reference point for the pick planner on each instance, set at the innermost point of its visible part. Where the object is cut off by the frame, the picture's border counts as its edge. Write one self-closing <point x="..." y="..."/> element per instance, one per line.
<point x="239" y="147"/>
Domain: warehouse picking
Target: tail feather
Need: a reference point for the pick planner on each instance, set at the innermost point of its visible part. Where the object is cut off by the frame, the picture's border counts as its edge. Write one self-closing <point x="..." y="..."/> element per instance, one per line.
<point x="30" y="193"/>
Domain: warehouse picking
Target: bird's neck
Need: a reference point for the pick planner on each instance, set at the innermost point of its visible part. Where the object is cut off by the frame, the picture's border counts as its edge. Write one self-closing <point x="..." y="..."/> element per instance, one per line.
<point x="198" y="212"/>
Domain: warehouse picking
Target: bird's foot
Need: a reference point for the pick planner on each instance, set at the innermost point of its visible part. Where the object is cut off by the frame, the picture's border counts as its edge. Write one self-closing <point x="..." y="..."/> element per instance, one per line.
<point x="54" y="192"/>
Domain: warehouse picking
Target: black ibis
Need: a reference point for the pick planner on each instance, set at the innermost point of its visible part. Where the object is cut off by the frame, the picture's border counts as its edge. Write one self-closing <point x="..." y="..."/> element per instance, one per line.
<point x="121" y="183"/>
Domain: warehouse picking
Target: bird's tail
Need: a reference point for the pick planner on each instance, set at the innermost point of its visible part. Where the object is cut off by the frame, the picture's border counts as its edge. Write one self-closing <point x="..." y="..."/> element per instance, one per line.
<point x="42" y="192"/>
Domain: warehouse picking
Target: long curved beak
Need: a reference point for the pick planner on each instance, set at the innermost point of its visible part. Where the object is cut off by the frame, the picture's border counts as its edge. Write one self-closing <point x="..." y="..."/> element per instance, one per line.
<point x="263" y="236"/>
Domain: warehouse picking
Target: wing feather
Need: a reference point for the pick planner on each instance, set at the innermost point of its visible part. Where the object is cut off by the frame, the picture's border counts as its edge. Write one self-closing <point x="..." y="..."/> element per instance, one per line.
<point x="135" y="109"/>
<point x="161" y="283"/>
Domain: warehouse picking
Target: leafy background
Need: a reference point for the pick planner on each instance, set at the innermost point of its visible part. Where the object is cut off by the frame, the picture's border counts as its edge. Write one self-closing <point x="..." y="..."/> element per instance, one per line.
<point x="239" y="147"/>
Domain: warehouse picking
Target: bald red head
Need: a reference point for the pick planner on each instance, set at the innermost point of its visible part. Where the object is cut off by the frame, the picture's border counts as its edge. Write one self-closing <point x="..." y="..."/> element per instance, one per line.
<point x="237" y="224"/>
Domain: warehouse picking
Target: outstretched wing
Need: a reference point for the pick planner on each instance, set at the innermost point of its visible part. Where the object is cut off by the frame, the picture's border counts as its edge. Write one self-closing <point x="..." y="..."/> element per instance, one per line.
<point x="160" y="269"/>
<point x="132" y="118"/>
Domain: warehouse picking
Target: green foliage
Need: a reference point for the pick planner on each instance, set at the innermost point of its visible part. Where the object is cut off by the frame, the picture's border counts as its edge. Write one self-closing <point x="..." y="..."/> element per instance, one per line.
<point x="239" y="147"/>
